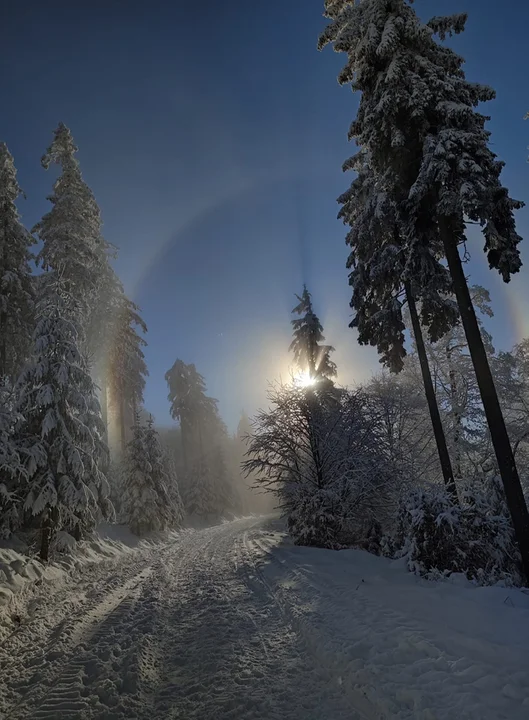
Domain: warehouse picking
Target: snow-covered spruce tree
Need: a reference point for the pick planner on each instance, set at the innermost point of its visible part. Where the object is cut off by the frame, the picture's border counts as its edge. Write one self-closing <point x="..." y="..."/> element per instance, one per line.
<point x="168" y="498"/>
<point x="191" y="407"/>
<point x="326" y="462"/>
<point x="310" y="355"/>
<point x="16" y="287"/>
<point x="71" y="231"/>
<point x="427" y="150"/>
<point x="60" y="430"/>
<point x="377" y="264"/>
<point x="126" y="369"/>
<point x="12" y="471"/>
<point x="139" y="501"/>
<point x="173" y="489"/>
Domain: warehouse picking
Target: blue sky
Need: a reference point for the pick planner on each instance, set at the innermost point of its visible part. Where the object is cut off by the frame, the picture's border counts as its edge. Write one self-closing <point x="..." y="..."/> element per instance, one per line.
<point x="212" y="135"/>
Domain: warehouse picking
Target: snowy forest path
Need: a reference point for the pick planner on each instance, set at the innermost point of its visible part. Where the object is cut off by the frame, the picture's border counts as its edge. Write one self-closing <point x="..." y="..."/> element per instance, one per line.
<point x="183" y="629"/>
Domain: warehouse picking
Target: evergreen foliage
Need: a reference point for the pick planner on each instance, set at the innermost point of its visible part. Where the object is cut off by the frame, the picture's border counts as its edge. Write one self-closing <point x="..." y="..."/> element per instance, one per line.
<point x="60" y="429"/>
<point x="476" y="539"/>
<point x="165" y="486"/>
<point x="424" y="168"/>
<point x="310" y="355"/>
<point x="70" y="232"/>
<point x="126" y="368"/>
<point x="148" y="501"/>
<point x="12" y="472"/>
<point x="16" y="286"/>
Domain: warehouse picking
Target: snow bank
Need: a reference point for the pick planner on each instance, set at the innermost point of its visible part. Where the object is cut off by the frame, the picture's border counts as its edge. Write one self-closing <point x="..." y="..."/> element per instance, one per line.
<point x="22" y="576"/>
<point x="405" y="647"/>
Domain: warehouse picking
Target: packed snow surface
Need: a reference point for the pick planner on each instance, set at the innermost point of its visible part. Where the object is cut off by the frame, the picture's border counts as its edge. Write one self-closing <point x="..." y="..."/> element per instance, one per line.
<point x="234" y="622"/>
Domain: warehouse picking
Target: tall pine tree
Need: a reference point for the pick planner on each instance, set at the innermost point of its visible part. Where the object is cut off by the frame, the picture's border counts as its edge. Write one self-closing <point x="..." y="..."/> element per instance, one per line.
<point x="310" y="355"/>
<point x="60" y="429"/>
<point x="16" y="287"/>
<point x="12" y="471"/>
<point x="71" y="231"/>
<point x="427" y="149"/>
<point x="139" y="501"/>
<point x="191" y="407"/>
<point x="168" y="498"/>
<point x="126" y="368"/>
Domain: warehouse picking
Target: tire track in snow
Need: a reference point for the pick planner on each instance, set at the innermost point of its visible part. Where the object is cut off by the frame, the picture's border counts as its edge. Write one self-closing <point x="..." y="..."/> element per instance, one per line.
<point x="229" y="654"/>
<point x="113" y="671"/>
<point x="62" y="692"/>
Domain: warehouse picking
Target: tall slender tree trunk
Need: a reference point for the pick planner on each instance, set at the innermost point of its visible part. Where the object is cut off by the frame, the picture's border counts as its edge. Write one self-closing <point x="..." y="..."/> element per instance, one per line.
<point x="489" y="396"/>
<point x="456" y="415"/>
<point x="438" y="430"/>
<point x="123" y="434"/>
<point x="184" y="442"/>
<point x="104" y="407"/>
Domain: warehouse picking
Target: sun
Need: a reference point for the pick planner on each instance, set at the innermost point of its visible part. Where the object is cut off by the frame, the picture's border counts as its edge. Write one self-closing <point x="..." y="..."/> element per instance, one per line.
<point x="304" y="379"/>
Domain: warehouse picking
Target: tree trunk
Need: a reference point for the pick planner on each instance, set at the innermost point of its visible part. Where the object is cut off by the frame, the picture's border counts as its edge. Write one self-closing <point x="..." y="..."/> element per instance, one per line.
<point x="48" y="526"/>
<point x="122" y="424"/>
<point x="489" y="397"/>
<point x="184" y="442"/>
<point x="438" y="430"/>
<point x="104" y="408"/>
<point x="456" y="414"/>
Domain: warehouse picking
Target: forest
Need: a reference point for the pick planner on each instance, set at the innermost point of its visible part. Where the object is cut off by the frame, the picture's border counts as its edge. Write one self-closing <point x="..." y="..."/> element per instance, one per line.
<point x="427" y="460"/>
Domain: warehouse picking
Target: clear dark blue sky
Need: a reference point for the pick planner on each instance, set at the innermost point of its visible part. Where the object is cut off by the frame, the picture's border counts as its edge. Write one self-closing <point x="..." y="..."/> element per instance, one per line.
<point x="213" y="135"/>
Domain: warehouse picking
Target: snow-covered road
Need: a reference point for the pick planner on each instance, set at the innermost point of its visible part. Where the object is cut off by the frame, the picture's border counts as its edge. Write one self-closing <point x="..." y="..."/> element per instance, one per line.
<point x="188" y="630"/>
<point x="233" y="622"/>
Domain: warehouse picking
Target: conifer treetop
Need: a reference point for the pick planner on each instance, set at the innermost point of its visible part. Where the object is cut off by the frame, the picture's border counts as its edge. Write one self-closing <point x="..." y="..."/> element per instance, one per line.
<point x="417" y="118"/>
<point x="71" y="230"/>
<point x="309" y="354"/>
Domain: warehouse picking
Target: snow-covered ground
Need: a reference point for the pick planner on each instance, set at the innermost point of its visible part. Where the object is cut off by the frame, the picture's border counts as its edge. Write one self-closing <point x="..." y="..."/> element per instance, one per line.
<point x="233" y="622"/>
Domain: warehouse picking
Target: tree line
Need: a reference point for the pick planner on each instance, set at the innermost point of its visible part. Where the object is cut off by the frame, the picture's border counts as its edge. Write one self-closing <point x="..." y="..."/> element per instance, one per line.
<point x="423" y="170"/>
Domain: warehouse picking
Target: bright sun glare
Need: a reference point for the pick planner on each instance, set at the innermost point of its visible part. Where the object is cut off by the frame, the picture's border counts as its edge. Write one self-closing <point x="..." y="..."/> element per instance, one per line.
<point x="303" y="379"/>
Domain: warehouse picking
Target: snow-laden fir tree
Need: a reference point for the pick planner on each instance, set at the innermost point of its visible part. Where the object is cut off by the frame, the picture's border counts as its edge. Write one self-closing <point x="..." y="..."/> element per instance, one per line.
<point x="72" y="242"/>
<point x="16" y="287"/>
<point x="139" y="500"/>
<point x="380" y="289"/>
<point x="168" y="498"/>
<point x="429" y="168"/>
<point x="60" y="428"/>
<point x="310" y="354"/>
<point x="173" y="489"/>
<point x="126" y="369"/>
<point x="191" y="407"/>
<point x="12" y="471"/>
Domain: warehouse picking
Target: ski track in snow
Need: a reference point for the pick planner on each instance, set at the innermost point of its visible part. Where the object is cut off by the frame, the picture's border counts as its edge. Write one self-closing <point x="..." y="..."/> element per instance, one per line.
<point x="234" y="623"/>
